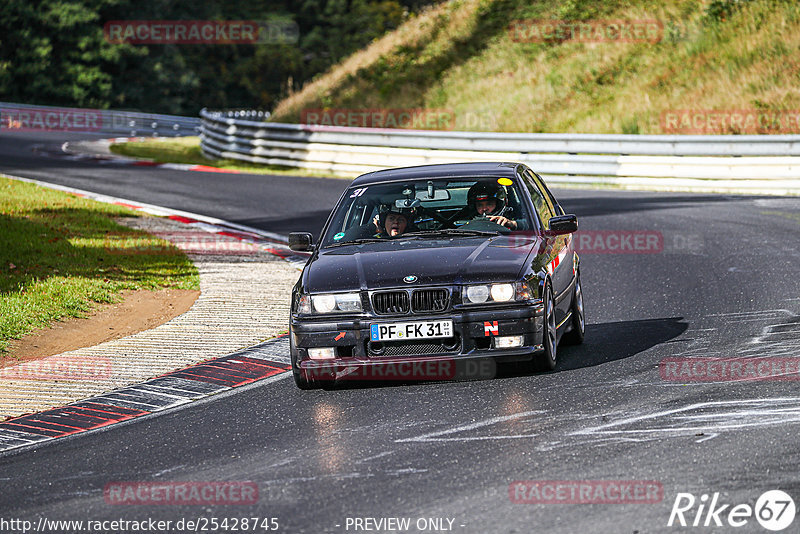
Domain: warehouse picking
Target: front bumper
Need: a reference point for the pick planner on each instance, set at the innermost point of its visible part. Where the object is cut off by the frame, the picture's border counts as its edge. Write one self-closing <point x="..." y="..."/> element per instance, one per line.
<point x="468" y="353"/>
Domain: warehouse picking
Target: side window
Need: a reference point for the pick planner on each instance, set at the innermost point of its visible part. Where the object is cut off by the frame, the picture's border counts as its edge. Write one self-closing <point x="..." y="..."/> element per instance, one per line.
<point x="355" y="213"/>
<point x="359" y="213"/>
<point x="541" y="201"/>
<point x="548" y="195"/>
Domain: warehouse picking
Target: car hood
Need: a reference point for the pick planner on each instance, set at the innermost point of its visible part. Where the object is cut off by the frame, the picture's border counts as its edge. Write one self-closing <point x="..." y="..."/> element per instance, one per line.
<point x="432" y="261"/>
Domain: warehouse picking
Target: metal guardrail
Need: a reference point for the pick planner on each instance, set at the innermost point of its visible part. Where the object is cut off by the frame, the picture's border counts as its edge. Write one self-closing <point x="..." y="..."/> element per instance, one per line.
<point x="127" y="123"/>
<point x="747" y="163"/>
<point x="245" y="130"/>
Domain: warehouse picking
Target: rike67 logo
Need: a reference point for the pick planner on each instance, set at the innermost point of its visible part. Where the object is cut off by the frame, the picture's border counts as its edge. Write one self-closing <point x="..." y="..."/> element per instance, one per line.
<point x="774" y="510"/>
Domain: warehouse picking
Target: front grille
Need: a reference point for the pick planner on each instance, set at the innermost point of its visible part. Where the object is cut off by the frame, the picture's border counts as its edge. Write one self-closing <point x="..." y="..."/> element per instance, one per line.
<point x="421" y="301"/>
<point x="419" y="347"/>
<point x="390" y="302"/>
<point x="430" y="300"/>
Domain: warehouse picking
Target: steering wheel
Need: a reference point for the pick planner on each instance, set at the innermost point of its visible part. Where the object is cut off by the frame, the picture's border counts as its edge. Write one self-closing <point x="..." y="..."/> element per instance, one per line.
<point x="451" y="221"/>
<point x="446" y="223"/>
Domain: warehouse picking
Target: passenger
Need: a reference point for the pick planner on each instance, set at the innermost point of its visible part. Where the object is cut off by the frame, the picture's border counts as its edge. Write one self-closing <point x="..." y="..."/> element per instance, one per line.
<point x="395" y="221"/>
<point x="395" y="224"/>
<point x="390" y="222"/>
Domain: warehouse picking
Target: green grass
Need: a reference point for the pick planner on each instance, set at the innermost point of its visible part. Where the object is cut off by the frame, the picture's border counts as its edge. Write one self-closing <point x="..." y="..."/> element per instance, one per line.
<point x="787" y="214"/>
<point x="460" y="56"/>
<point x="60" y="254"/>
<point x="165" y="150"/>
<point x="187" y="150"/>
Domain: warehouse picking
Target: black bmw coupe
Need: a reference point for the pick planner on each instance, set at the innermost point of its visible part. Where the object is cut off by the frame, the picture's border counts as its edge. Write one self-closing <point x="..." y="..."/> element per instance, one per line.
<point x="421" y="269"/>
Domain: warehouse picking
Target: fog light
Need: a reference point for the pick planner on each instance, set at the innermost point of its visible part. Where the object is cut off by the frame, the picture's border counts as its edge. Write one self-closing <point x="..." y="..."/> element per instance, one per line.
<point x="322" y="353"/>
<point x="508" y="342"/>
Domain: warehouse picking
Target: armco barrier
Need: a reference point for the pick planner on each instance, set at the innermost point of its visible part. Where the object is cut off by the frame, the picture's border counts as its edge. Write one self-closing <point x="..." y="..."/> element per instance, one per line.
<point x="122" y="123"/>
<point x="734" y="163"/>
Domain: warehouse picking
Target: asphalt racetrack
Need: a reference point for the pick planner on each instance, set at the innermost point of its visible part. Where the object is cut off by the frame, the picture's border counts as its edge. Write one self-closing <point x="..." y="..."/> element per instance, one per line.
<point x="722" y="284"/>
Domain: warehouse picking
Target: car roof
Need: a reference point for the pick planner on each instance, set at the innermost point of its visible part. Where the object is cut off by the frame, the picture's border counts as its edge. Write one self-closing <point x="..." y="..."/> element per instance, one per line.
<point x="445" y="170"/>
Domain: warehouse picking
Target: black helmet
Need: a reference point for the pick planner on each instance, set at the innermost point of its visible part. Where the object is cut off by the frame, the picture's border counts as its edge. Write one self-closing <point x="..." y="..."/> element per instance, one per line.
<point x="487" y="191"/>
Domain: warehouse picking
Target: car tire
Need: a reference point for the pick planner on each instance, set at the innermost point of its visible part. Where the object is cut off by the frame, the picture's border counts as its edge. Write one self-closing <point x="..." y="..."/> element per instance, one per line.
<point x="299" y="376"/>
<point x="301" y="381"/>
<point x="548" y="359"/>
<point x="576" y="335"/>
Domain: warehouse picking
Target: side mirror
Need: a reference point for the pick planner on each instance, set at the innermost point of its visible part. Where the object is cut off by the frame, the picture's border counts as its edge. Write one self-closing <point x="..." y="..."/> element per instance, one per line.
<point x="563" y="224"/>
<point x="301" y="241"/>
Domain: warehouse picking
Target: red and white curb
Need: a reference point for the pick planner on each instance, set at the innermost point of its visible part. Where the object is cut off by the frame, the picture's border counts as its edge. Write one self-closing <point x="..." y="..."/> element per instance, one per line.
<point x="262" y="362"/>
<point x="173" y="389"/>
<point x="267" y="241"/>
<point x="113" y="159"/>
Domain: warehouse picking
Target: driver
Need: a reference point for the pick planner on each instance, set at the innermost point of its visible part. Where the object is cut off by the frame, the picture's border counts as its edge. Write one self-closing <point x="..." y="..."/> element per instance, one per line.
<point x="488" y="199"/>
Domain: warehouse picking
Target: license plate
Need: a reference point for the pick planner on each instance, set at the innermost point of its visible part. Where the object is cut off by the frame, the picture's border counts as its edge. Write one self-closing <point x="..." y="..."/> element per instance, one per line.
<point x="415" y="330"/>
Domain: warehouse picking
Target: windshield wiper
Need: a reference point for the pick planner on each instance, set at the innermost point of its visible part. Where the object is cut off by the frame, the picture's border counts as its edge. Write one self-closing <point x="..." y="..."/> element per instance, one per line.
<point x="417" y="235"/>
<point x="358" y="242"/>
<point x="448" y="232"/>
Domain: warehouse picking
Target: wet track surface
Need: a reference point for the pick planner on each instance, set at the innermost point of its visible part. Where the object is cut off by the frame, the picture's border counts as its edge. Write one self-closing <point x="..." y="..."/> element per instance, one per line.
<point x="723" y="284"/>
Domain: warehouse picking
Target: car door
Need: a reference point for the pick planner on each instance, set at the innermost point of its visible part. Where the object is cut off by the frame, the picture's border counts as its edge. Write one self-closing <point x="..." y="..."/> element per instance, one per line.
<point x="560" y="249"/>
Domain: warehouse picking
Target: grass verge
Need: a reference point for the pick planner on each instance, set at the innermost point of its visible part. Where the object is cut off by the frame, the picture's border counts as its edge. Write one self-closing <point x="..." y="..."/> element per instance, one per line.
<point x="187" y="150"/>
<point x="462" y="57"/>
<point x="60" y="254"/>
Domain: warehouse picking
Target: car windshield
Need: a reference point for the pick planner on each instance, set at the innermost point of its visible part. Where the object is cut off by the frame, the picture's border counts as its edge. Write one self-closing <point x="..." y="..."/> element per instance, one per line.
<point x="426" y="209"/>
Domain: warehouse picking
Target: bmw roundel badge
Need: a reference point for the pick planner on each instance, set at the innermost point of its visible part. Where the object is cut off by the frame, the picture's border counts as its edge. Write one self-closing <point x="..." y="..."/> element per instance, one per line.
<point x="410" y="279"/>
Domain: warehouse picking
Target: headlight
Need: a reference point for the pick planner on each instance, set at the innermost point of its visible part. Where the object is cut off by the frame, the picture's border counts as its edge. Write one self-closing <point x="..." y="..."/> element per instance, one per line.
<point x="478" y="294"/>
<point x="348" y="302"/>
<point x="330" y="303"/>
<point x="323" y="303"/>
<point x="502" y="292"/>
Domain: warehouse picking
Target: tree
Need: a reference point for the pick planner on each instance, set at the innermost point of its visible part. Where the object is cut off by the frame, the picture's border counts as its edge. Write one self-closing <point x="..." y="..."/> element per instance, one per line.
<point x="54" y="52"/>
